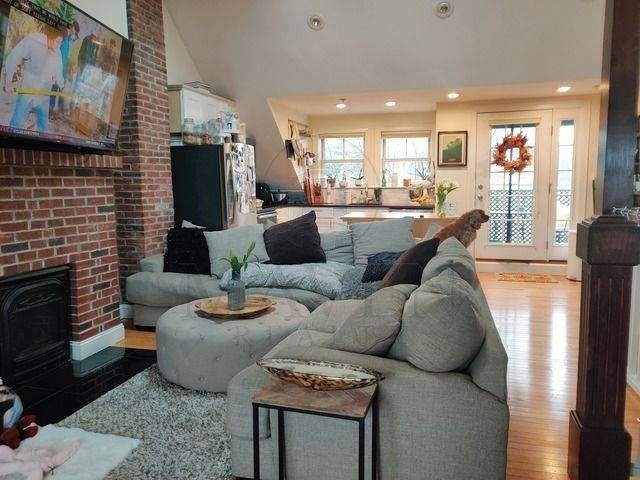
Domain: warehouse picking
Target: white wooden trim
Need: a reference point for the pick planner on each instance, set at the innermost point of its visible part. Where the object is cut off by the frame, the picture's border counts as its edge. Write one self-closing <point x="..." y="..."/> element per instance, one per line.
<point x="85" y="348"/>
<point x="495" y="266"/>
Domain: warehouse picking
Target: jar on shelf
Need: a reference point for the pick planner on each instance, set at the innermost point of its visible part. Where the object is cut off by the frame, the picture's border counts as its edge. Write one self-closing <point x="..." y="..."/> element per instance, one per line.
<point x="189" y="132"/>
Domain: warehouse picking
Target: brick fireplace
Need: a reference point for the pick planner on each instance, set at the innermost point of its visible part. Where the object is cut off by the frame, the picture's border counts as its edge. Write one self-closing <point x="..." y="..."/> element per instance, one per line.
<point x="100" y="214"/>
<point x="58" y="209"/>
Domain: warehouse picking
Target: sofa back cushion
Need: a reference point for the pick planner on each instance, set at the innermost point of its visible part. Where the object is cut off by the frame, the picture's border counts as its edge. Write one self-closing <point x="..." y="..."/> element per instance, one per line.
<point x="441" y="330"/>
<point x="295" y="242"/>
<point x="187" y="252"/>
<point x="338" y="246"/>
<point x="371" y="327"/>
<point x="451" y="254"/>
<point x="239" y="238"/>
<point x="370" y="238"/>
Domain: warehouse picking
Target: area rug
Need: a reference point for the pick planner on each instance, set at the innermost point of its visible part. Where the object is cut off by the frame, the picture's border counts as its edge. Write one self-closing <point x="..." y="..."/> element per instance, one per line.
<point x="182" y="432"/>
<point x="526" y="277"/>
<point x="97" y="456"/>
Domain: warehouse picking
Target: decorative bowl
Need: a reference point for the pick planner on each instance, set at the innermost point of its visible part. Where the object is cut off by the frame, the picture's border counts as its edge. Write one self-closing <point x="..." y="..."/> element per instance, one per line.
<point x="321" y="375"/>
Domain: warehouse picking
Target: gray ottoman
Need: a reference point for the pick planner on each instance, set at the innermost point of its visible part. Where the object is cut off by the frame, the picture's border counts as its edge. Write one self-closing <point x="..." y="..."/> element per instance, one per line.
<point x="205" y="354"/>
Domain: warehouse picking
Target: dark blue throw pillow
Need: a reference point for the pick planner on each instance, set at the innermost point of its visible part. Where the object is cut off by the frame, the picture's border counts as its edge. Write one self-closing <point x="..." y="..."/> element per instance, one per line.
<point x="378" y="265"/>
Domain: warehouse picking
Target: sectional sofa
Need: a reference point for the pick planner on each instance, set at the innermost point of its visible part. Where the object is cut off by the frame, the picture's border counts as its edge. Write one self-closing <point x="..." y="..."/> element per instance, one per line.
<point x="443" y="401"/>
<point x="153" y="291"/>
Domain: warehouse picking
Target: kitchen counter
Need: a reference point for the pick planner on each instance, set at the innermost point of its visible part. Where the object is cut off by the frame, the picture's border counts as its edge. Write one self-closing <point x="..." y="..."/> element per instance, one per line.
<point x="351" y="205"/>
<point x="422" y="221"/>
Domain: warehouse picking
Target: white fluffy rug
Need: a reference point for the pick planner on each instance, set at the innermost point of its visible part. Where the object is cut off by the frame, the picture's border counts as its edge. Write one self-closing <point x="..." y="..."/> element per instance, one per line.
<point x="97" y="456"/>
<point x="182" y="432"/>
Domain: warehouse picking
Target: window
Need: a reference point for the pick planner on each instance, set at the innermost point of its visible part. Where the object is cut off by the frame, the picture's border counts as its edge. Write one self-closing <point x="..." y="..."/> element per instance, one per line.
<point x="406" y="154"/>
<point x="342" y="155"/>
<point x="566" y="135"/>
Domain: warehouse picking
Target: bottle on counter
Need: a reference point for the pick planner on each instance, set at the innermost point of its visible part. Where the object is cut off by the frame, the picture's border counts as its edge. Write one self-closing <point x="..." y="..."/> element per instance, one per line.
<point x="394" y="180"/>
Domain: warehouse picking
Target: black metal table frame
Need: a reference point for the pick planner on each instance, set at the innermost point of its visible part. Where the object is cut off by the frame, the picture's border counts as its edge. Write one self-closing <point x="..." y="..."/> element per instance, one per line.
<point x="281" y="436"/>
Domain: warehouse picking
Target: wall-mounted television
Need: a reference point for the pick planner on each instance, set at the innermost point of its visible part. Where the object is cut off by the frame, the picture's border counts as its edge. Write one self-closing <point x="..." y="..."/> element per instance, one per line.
<point x="63" y="77"/>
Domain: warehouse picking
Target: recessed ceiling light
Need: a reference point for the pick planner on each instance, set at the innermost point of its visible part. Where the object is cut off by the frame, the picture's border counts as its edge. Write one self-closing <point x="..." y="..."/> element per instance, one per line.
<point x="341" y="104"/>
<point x="443" y="9"/>
<point x="453" y="95"/>
<point x="390" y="103"/>
<point x="316" y="21"/>
<point x="563" y="89"/>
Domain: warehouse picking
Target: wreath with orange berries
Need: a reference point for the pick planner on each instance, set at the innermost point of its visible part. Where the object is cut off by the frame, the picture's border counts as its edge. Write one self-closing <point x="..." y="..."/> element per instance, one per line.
<point x="509" y="142"/>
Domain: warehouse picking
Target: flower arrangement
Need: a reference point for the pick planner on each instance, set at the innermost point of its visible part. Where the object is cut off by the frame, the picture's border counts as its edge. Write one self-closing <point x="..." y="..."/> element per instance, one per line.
<point x="509" y="142"/>
<point x="444" y="188"/>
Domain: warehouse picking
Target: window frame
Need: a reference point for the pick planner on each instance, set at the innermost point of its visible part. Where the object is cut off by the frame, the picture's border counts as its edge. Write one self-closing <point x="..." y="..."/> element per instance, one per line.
<point x="384" y="135"/>
<point x="343" y="160"/>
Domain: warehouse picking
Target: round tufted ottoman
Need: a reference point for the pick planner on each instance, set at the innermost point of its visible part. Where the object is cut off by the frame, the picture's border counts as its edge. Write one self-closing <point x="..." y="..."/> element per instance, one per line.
<point x="204" y="354"/>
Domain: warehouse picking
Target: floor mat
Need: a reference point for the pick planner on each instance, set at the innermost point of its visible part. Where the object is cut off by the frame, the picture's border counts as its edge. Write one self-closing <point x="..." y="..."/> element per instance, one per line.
<point x="526" y="277"/>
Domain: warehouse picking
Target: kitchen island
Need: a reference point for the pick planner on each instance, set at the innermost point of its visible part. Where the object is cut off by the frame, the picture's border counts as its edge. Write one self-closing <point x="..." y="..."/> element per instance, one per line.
<point x="422" y="219"/>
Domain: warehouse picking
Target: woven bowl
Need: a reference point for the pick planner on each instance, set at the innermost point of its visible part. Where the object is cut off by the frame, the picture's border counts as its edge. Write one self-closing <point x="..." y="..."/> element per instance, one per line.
<point x="321" y="375"/>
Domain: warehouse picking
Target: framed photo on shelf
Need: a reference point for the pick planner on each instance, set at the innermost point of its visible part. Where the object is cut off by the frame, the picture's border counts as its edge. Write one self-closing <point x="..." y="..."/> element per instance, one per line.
<point x="452" y="149"/>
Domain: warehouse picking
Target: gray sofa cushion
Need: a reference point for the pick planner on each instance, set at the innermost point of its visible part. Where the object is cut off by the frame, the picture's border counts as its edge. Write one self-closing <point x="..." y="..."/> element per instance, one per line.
<point x="338" y="246"/>
<point x="451" y="254"/>
<point x="238" y="239"/>
<point x="370" y="238"/>
<point x="353" y="287"/>
<point x="329" y="316"/>
<point x="441" y="331"/>
<point x="372" y="326"/>
<point x="165" y="289"/>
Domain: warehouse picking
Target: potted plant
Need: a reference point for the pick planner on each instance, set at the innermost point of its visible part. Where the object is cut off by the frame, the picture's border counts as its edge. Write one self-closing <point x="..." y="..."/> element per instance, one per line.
<point x="236" y="292"/>
<point x="444" y="188"/>
<point x="358" y="179"/>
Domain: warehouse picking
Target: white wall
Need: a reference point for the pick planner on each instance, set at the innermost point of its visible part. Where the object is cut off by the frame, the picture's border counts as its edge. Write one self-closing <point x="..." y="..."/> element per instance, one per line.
<point x="180" y="66"/>
<point x="372" y="126"/>
<point x="113" y="13"/>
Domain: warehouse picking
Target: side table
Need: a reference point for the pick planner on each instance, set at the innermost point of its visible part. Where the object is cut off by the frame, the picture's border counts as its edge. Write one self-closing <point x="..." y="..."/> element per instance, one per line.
<point x="353" y="405"/>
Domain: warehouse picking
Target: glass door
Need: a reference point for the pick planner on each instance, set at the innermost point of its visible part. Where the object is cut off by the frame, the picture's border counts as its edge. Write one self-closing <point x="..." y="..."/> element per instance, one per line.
<point x="517" y="204"/>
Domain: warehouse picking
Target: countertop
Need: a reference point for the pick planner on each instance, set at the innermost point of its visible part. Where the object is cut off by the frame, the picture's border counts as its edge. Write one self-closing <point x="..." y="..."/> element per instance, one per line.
<point x="355" y="206"/>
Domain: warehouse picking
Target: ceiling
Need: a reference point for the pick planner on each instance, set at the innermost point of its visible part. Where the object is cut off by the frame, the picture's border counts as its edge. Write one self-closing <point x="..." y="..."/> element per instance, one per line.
<point x="424" y="100"/>
<point x="253" y="50"/>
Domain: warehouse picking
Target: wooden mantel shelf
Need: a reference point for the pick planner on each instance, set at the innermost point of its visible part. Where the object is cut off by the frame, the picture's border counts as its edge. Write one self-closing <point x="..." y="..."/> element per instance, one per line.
<point x="14" y="156"/>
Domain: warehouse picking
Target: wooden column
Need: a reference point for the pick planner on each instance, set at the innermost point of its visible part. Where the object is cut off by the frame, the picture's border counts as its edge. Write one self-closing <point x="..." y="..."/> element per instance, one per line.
<point x="599" y="445"/>
<point x="618" y="104"/>
<point x="609" y="246"/>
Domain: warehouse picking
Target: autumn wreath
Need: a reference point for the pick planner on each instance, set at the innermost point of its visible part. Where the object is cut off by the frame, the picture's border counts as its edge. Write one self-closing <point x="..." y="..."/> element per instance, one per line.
<point x="510" y="142"/>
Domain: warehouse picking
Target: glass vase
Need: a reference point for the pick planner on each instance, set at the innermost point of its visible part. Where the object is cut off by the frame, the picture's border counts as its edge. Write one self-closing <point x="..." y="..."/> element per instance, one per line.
<point x="236" y="292"/>
<point x="440" y="206"/>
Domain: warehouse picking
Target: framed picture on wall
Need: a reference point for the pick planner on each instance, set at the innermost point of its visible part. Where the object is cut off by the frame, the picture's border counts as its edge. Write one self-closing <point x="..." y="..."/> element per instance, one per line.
<point x="452" y="149"/>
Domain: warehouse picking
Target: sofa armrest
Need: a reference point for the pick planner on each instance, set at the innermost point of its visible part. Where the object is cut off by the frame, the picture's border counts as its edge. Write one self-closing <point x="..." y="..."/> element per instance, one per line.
<point x="154" y="263"/>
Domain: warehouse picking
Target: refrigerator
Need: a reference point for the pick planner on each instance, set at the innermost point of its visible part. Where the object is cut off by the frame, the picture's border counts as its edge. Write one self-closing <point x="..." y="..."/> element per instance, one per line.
<point x="213" y="185"/>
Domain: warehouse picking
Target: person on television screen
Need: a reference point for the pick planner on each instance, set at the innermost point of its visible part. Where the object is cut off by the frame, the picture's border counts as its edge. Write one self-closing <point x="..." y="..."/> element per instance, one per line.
<point x="65" y="49"/>
<point x="40" y="54"/>
<point x="107" y="59"/>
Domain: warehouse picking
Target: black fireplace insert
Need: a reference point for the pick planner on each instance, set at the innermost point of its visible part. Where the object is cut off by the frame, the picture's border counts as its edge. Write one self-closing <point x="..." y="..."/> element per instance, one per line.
<point x="34" y="323"/>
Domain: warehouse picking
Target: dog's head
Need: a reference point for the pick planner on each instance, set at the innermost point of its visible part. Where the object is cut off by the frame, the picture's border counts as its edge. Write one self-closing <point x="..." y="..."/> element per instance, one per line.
<point x="476" y="218"/>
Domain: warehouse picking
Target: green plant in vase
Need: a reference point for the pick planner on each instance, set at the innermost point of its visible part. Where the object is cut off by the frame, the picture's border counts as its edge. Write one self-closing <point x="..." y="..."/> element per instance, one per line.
<point x="358" y="179"/>
<point x="444" y="188"/>
<point x="236" y="291"/>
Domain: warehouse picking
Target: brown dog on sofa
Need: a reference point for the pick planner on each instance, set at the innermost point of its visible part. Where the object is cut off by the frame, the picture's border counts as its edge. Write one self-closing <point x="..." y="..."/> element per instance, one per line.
<point x="464" y="228"/>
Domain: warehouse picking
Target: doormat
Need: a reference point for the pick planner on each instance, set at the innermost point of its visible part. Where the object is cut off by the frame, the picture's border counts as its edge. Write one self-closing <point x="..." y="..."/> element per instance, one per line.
<point x="526" y="277"/>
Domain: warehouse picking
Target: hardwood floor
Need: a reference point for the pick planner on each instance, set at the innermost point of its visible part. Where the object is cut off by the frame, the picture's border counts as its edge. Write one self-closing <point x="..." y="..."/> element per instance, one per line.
<point x="538" y="323"/>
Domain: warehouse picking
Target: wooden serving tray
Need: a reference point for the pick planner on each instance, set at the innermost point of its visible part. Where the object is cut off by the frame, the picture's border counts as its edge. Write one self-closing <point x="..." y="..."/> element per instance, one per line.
<point x="217" y="307"/>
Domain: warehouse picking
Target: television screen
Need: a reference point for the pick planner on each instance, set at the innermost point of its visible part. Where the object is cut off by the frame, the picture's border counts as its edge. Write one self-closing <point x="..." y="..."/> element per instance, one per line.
<point x="63" y="75"/>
